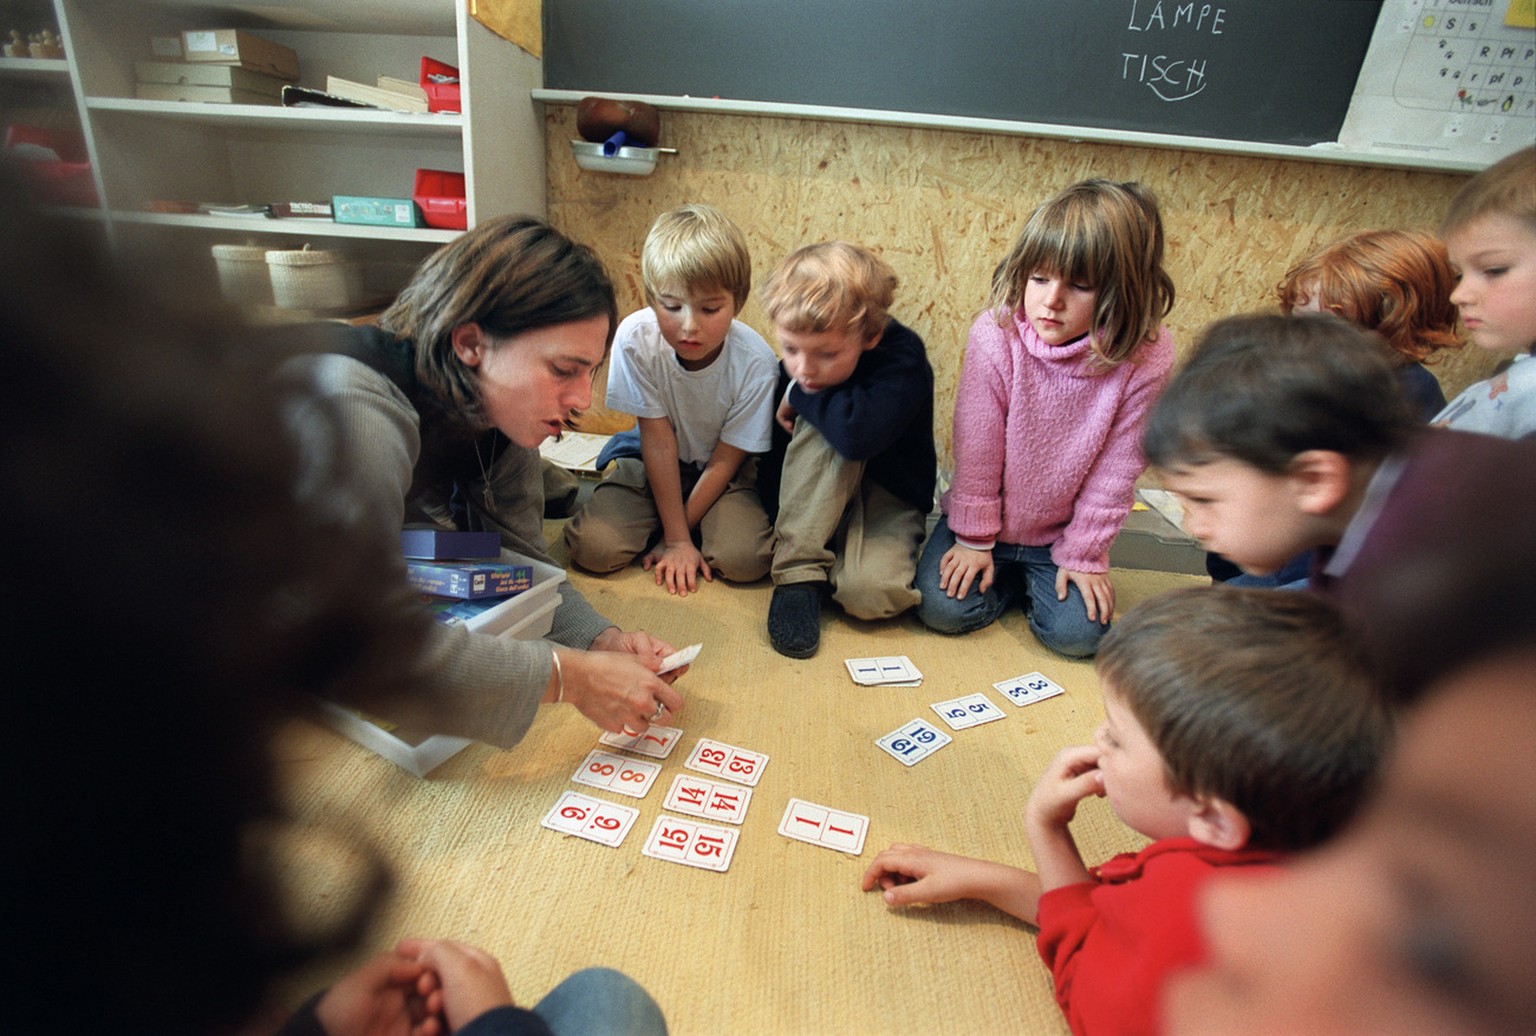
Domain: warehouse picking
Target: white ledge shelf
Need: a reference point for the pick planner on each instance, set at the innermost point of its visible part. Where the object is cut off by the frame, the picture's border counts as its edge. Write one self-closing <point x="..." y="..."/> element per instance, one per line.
<point x="292" y="227"/>
<point x="1327" y="152"/>
<point x="264" y="116"/>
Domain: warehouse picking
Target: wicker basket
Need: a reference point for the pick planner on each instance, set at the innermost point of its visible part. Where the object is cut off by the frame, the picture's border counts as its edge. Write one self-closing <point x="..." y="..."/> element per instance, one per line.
<point x="243" y="276"/>
<point x="314" y="279"/>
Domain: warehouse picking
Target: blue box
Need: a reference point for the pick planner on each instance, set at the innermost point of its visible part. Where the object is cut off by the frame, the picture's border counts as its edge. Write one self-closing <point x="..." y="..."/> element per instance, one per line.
<point x="434" y="544"/>
<point x="468" y="580"/>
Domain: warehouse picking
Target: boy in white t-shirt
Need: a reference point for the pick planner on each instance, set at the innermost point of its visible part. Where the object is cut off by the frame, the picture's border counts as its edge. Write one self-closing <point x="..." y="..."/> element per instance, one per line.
<point x="701" y="385"/>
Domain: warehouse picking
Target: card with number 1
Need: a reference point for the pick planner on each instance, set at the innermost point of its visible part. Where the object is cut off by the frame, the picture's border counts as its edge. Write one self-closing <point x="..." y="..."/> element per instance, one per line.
<point x="691" y="843"/>
<point x="820" y="825"/>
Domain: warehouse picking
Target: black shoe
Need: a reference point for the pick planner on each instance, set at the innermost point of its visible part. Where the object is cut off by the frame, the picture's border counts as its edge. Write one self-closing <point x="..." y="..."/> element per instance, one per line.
<point x="794" y="619"/>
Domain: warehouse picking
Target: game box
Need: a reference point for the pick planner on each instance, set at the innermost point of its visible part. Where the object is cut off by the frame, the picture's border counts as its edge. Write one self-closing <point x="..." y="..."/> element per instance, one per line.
<point x="528" y="616"/>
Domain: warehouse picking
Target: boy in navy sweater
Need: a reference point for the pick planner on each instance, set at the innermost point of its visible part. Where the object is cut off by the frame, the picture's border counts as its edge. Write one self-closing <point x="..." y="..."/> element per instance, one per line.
<point x="858" y="466"/>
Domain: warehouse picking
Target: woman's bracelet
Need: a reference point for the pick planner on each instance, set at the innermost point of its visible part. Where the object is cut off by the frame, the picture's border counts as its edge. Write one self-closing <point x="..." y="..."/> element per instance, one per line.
<point x="559" y="676"/>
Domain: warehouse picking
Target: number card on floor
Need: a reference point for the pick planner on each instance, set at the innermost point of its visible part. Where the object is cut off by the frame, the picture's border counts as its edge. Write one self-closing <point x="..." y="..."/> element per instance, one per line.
<point x="728" y="761"/>
<point x="884" y="671"/>
<point x="970" y="711"/>
<point x="916" y="739"/>
<point x="712" y="800"/>
<point x="692" y="843"/>
<point x="656" y="742"/>
<point x="829" y="828"/>
<point x="1029" y="688"/>
<point x="586" y="817"/>
<point x="626" y="776"/>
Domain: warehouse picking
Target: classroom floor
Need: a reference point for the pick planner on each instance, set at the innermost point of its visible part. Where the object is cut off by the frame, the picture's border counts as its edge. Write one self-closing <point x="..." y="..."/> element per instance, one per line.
<point x="783" y="941"/>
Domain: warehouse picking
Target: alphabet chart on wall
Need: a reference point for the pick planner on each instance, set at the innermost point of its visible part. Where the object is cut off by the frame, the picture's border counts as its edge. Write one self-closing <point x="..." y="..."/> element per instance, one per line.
<point x="1455" y="78"/>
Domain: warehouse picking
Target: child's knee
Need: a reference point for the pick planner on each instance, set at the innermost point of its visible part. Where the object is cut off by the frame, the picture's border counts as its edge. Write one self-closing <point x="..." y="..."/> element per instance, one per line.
<point x="944" y="614"/>
<point x="592" y="550"/>
<point x="873" y="599"/>
<point x="740" y="566"/>
<point x="1069" y="635"/>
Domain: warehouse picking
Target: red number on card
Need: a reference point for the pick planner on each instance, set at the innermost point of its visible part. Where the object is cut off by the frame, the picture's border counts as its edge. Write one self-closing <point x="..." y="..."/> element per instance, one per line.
<point x="678" y="836"/>
<point x="660" y="741"/>
<point x="709" y="845"/>
<point x="574" y="813"/>
<point x="606" y="769"/>
<point x="693" y="796"/>
<point x="712" y="755"/>
<point x="608" y="823"/>
<point x="725" y="802"/>
<point x="632" y="775"/>
<point x="740" y="765"/>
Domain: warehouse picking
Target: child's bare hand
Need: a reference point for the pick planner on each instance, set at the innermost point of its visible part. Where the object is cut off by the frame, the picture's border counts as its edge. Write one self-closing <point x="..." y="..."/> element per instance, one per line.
<point x="469" y="980"/>
<point x="1069" y="778"/>
<point x="382" y="997"/>
<point x="910" y="874"/>
<point x="960" y="566"/>
<point x="677" y="567"/>
<point x="1098" y="592"/>
<point x="786" y="415"/>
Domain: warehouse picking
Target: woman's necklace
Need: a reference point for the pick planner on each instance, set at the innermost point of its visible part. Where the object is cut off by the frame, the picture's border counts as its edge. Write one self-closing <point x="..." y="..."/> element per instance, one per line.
<point x="485" y="473"/>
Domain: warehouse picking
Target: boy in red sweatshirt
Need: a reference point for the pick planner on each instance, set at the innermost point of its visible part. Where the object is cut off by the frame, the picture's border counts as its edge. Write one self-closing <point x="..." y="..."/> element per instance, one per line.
<point x="1240" y="725"/>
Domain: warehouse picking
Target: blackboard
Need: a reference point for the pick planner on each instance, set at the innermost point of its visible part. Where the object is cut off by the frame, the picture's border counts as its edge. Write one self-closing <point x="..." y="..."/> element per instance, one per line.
<point x="1270" y="71"/>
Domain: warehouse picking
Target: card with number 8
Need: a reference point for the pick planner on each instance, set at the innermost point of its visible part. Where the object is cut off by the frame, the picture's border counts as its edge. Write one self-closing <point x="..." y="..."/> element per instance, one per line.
<point x="632" y="777"/>
<point x="691" y="843"/>
<point x="916" y="739"/>
<point x="728" y="761"/>
<point x="586" y="817"/>
<point x="1029" y="688"/>
<point x="970" y="711"/>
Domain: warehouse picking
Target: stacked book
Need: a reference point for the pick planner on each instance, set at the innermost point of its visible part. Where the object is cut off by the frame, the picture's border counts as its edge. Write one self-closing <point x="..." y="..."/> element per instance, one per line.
<point x="460" y="574"/>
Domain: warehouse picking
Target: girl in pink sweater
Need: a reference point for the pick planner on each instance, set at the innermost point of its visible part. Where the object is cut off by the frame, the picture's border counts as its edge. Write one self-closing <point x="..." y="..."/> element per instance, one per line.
<point x="1059" y="373"/>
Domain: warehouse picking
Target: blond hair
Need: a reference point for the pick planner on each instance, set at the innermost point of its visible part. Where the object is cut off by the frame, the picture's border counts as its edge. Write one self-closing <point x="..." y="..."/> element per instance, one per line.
<point x="696" y="247"/>
<point x="1508" y="187"/>
<point x="833" y="285"/>
<point x="1104" y="234"/>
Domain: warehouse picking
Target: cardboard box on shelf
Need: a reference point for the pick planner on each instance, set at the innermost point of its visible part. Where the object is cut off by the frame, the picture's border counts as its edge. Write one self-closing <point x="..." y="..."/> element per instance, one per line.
<point x="209" y="94"/>
<point x="237" y="47"/>
<point x="180" y="73"/>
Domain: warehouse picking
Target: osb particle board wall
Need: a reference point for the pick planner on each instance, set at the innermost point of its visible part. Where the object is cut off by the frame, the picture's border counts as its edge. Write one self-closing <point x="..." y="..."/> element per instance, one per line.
<point x="943" y="206"/>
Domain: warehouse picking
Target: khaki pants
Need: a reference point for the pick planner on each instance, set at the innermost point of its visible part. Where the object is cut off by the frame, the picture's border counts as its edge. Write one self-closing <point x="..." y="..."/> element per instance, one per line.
<point x="620" y="522"/>
<point x="835" y="526"/>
